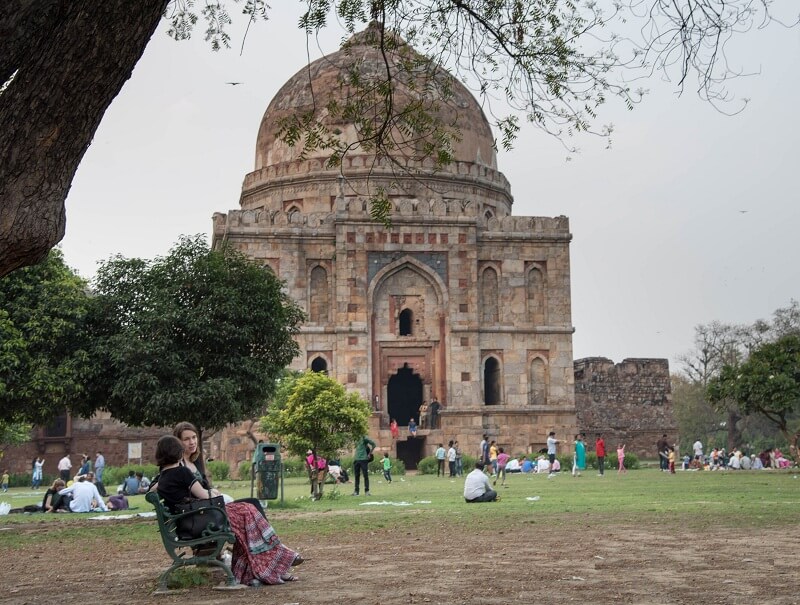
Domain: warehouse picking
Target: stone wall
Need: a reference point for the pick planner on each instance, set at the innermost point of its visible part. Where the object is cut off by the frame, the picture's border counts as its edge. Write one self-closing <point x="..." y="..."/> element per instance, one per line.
<point x="629" y="402"/>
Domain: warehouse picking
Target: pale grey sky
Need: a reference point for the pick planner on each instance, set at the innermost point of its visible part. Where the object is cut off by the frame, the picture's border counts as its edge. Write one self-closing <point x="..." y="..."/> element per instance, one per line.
<point x="661" y="240"/>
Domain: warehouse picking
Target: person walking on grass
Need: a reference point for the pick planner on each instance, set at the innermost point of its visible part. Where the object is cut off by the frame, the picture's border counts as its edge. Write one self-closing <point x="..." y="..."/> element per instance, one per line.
<point x="502" y="461"/>
<point x="387" y="467"/>
<point x="551" y="452"/>
<point x="579" y="459"/>
<point x="600" y="451"/>
<point x="441" y="454"/>
<point x="621" y="459"/>
<point x="364" y="447"/>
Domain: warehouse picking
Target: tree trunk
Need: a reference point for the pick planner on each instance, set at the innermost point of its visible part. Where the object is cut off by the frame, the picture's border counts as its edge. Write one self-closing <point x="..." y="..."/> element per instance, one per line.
<point x="68" y="59"/>
<point x="734" y="433"/>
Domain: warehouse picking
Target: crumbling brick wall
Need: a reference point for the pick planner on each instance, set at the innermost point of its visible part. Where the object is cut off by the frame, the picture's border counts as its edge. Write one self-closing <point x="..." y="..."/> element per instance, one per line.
<point x="629" y="402"/>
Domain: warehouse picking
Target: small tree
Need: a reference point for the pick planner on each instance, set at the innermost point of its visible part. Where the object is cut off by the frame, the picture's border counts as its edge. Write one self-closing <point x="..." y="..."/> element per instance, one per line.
<point x="768" y="383"/>
<point x="199" y="335"/>
<point x="314" y="412"/>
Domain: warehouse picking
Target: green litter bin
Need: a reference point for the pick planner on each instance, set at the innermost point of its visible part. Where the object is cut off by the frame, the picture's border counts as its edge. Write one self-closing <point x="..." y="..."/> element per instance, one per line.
<point x="267" y="465"/>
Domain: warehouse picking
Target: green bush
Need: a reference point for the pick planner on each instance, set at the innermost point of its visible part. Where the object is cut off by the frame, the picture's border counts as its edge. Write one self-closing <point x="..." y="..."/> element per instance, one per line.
<point x="114" y="475"/>
<point x="244" y="470"/>
<point x="219" y="470"/>
<point x="427" y="466"/>
<point x="24" y="480"/>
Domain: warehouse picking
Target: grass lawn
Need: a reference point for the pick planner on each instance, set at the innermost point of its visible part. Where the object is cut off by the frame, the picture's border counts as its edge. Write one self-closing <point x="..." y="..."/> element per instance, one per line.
<point x="688" y="499"/>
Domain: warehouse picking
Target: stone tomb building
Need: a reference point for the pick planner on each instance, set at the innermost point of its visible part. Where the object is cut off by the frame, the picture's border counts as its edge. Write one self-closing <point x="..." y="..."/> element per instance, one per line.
<point x="459" y="300"/>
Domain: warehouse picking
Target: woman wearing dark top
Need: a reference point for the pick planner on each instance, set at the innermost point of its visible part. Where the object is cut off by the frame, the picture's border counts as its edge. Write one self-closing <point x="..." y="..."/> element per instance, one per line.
<point x="51" y="497"/>
<point x="258" y="554"/>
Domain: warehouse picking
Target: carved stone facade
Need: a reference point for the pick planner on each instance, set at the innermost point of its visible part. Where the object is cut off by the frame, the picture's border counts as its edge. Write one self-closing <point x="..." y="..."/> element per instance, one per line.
<point x="458" y="300"/>
<point x="629" y="402"/>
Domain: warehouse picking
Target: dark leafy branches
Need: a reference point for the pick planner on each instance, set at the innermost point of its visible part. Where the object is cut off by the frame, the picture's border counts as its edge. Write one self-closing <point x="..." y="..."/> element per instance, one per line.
<point x="199" y="335"/>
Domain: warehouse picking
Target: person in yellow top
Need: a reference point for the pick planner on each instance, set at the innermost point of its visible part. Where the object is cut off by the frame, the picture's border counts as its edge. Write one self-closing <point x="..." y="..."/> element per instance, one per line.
<point x="5" y="480"/>
<point x="671" y="460"/>
<point x="493" y="451"/>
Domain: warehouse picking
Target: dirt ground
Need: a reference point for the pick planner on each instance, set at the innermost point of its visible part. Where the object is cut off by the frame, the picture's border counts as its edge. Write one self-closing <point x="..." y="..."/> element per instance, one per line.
<point x="572" y="562"/>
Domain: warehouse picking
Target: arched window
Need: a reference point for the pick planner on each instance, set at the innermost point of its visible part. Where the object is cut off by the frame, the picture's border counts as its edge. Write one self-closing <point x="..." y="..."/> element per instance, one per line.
<point x="537" y="383"/>
<point x="491" y="382"/>
<point x="536" y="303"/>
<point x="406" y="322"/>
<point x="319" y="365"/>
<point x="489" y="287"/>
<point x="318" y="299"/>
<point x="291" y="212"/>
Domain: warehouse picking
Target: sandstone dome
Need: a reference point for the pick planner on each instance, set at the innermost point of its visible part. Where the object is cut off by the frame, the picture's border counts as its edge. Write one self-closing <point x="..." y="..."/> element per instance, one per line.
<point x="314" y="86"/>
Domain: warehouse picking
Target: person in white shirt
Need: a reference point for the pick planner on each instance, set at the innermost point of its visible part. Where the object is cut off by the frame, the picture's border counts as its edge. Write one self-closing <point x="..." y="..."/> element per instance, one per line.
<point x="451" y="458"/>
<point x="476" y="486"/>
<point x="84" y="496"/>
<point x="64" y="466"/>
<point x="697" y="446"/>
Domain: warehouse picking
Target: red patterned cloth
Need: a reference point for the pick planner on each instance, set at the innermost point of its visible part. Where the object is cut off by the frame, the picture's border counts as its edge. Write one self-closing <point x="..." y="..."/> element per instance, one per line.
<point x="257" y="553"/>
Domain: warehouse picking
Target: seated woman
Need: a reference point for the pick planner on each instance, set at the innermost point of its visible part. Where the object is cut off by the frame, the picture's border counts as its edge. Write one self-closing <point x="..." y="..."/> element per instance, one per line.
<point x="192" y="459"/>
<point x="52" y="501"/>
<point x="258" y="554"/>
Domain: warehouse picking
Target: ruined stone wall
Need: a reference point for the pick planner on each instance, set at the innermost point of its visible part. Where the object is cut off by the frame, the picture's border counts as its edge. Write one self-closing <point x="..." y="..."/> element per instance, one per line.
<point x="629" y="402"/>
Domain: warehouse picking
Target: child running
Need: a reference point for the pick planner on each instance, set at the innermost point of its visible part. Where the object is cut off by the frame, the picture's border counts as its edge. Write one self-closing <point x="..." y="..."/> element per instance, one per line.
<point x="621" y="459"/>
<point x="502" y="460"/>
<point x="387" y="467"/>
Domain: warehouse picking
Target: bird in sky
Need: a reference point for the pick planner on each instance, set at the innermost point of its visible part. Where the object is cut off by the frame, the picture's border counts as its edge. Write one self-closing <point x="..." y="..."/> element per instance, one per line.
<point x="742" y="211"/>
<point x="234" y="83"/>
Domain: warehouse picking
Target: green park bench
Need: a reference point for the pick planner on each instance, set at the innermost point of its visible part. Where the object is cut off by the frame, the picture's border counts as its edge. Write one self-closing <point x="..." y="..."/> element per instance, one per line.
<point x="202" y="551"/>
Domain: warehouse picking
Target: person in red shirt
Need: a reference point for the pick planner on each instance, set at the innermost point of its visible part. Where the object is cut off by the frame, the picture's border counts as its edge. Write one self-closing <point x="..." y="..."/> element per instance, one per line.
<point x="600" y="450"/>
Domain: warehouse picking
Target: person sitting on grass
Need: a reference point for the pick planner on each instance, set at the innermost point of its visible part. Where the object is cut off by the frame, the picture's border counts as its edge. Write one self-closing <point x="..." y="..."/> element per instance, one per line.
<point x="130" y="487"/>
<point x="84" y="497"/>
<point x="52" y="501"/>
<point x="477" y="488"/>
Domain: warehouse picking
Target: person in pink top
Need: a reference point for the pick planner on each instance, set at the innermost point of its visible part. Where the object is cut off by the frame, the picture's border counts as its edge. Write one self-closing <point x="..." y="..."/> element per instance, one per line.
<point x="316" y="466"/>
<point x="394" y="429"/>
<point x="621" y="458"/>
<point x="502" y="460"/>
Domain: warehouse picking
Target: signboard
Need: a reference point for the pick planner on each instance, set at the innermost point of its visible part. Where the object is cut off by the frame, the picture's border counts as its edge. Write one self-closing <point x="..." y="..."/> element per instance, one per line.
<point x="135" y="450"/>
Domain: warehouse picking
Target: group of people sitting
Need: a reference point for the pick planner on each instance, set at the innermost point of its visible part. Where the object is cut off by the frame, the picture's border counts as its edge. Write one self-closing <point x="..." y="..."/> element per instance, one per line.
<point x="80" y="496"/>
<point x="719" y="459"/>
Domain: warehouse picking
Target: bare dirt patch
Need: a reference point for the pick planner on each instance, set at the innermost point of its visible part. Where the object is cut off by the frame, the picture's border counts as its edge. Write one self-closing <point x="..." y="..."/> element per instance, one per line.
<point x="573" y="561"/>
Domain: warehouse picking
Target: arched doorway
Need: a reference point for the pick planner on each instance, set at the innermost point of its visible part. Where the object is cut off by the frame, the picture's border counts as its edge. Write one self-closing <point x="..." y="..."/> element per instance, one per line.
<point x="319" y="365"/>
<point x="404" y="392"/>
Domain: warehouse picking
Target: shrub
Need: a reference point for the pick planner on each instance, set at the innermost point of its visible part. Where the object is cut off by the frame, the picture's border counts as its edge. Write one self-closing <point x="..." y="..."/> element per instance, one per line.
<point x="114" y="475"/>
<point x="427" y="466"/>
<point x="245" y="467"/>
<point x="219" y="470"/>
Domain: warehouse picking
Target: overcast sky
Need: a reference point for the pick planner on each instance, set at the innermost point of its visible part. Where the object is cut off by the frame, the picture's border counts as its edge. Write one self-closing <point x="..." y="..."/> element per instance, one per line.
<point x="691" y="216"/>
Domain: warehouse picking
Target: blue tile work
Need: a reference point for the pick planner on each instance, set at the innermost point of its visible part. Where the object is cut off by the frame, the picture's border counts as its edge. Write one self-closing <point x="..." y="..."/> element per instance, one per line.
<point x="435" y="260"/>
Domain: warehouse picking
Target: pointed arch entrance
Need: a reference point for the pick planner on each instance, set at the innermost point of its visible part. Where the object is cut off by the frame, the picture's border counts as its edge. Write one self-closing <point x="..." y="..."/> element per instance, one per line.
<point x="404" y="392"/>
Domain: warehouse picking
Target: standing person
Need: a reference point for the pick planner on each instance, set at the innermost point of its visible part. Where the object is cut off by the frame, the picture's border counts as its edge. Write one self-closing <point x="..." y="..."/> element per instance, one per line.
<point x="395" y="430"/>
<point x="502" y="461"/>
<point x="662" y="446"/>
<point x="476" y="486"/>
<point x="99" y="466"/>
<point x="434" y="408"/>
<point x="423" y="415"/>
<point x="451" y="458"/>
<point x="64" y="467"/>
<point x="493" y="451"/>
<point x="361" y="462"/>
<point x="483" y="453"/>
<point x="621" y="458"/>
<point x="86" y="466"/>
<point x="600" y="451"/>
<point x="697" y="447"/>
<point x="440" y="456"/>
<point x="459" y="460"/>
<point x="671" y="461"/>
<point x="551" y="451"/>
<point x="4" y="481"/>
<point x="38" y="471"/>
<point x="387" y="467"/>
<point x="412" y="428"/>
<point x="579" y="460"/>
<point x="316" y="466"/>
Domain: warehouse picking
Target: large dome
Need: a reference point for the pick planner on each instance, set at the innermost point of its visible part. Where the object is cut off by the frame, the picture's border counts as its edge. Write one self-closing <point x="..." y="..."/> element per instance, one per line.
<point x="325" y="80"/>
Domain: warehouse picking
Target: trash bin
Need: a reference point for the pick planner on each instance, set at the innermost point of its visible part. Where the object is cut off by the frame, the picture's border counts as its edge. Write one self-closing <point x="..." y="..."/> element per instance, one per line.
<point x="267" y="463"/>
